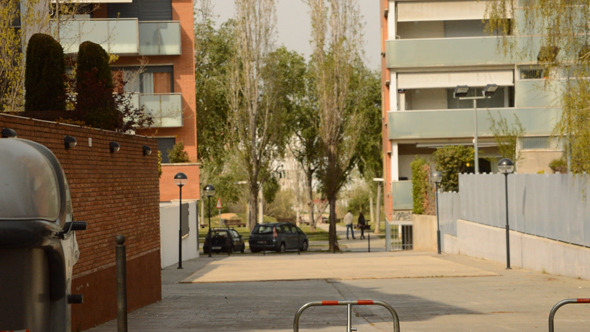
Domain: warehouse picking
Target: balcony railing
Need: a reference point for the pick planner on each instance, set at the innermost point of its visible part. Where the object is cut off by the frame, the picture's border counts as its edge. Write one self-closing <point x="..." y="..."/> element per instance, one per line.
<point x="121" y="36"/>
<point x="159" y="38"/>
<point x="416" y="125"/>
<point x="402" y="195"/>
<point x="443" y="52"/>
<point x="165" y="109"/>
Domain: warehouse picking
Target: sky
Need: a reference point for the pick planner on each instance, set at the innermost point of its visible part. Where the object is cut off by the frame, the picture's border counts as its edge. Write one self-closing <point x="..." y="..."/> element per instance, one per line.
<point x="294" y="27"/>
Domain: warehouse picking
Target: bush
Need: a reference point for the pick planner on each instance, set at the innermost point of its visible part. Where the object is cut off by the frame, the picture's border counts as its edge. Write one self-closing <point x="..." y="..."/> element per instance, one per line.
<point x="558" y="165"/>
<point x="450" y="161"/>
<point x="44" y="75"/>
<point x="94" y="87"/>
<point x="359" y="200"/>
<point x="421" y="186"/>
<point x="177" y="154"/>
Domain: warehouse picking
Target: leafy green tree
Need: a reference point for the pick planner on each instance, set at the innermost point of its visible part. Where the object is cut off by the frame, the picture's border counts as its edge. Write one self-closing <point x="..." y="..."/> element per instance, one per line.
<point x="450" y="161"/>
<point x="258" y="98"/>
<point x="213" y="55"/>
<point x="337" y="47"/>
<point x="44" y="75"/>
<point x="564" y="54"/>
<point x="506" y="135"/>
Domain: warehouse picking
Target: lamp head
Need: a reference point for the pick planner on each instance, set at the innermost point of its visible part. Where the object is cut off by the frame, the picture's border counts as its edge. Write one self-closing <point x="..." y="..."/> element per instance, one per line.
<point x="114" y="147"/>
<point x="180" y="179"/>
<point x="506" y="166"/>
<point x="461" y="91"/>
<point x="209" y="190"/>
<point x="70" y="142"/>
<point x="437" y="177"/>
<point x="489" y="90"/>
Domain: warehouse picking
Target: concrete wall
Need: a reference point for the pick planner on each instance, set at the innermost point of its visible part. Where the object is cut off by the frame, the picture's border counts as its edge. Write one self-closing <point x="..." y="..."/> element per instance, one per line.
<point x="169" y="216"/>
<point x="424" y="232"/>
<point x="526" y="251"/>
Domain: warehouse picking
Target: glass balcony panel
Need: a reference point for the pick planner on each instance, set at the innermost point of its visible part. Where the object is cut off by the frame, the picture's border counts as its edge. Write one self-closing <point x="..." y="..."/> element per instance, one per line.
<point x="468" y="51"/>
<point x="402" y="195"/>
<point x="165" y="109"/>
<point x="159" y="38"/>
<point x="117" y="36"/>
<point x="459" y="123"/>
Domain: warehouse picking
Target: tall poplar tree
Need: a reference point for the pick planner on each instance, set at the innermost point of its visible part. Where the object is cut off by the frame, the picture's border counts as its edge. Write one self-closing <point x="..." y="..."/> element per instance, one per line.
<point x="337" y="45"/>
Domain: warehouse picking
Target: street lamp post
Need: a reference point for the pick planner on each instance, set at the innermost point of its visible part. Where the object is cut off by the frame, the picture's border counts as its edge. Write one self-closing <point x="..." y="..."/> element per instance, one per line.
<point x="437" y="178"/>
<point x="209" y="191"/>
<point x="461" y="93"/>
<point x="377" y="217"/>
<point x="180" y="180"/>
<point x="506" y="166"/>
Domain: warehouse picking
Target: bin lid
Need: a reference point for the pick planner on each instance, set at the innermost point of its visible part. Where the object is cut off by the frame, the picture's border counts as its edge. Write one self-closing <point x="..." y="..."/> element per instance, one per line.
<point x="29" y="182"/>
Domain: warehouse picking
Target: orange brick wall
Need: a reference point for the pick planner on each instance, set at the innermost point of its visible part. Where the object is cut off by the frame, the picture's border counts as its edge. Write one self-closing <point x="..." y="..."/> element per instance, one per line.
<point x="169" y="190"/>
<point x="115" y="194"/>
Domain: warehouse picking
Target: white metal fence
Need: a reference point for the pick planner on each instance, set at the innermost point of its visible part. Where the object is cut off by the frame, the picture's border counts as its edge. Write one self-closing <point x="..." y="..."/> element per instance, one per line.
<point x="553" y="206"/>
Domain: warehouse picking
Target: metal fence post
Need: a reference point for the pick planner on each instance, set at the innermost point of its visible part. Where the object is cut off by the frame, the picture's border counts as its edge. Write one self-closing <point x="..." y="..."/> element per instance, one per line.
<point x="121" y="284"/>
<point x="387" y="236"/>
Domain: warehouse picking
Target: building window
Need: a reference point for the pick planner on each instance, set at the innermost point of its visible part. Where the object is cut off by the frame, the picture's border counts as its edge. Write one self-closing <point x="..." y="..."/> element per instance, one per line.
<point x="531" y="74"/>
<point x="165" y="144"/>
<point x="148" y="80"/>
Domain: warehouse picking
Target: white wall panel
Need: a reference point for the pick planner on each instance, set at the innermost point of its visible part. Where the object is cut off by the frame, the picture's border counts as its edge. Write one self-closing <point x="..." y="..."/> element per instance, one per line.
<point x="448" y="80"/>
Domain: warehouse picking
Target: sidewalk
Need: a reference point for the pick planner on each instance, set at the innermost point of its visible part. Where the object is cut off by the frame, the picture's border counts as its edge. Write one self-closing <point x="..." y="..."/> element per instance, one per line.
<point x="430" y="292"/>
<point x="376" y="242"/>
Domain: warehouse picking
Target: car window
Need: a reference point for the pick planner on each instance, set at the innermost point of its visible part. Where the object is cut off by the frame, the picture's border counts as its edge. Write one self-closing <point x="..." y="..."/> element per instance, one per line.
<point x="291" y="229"/>
<point x="262" y="229"/>
<point x="235" y="234"/>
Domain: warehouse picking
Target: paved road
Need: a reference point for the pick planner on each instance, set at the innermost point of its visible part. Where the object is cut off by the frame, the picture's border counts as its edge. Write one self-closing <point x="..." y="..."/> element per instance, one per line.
<point x="248" y="292"/>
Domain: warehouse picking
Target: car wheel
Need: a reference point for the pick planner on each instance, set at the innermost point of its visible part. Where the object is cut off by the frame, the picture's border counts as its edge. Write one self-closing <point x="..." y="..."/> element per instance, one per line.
<point x="304" y="246"/>
<point x="242" y="250"/>
<point x="282" y="248"/>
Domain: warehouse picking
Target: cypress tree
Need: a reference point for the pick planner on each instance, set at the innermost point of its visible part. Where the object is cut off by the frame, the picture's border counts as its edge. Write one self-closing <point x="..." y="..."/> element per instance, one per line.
<point x="44" y="74"/>
<point x="94" y="87"/>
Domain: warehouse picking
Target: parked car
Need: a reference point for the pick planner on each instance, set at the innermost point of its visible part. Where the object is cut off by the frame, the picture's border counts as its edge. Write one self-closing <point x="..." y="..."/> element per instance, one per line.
<point x="278" y="237"/>
<point x="224" y="240"/>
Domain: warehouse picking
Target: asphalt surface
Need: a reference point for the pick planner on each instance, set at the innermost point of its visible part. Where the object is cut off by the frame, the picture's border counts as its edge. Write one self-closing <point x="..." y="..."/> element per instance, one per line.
<point x="430" y="292"/>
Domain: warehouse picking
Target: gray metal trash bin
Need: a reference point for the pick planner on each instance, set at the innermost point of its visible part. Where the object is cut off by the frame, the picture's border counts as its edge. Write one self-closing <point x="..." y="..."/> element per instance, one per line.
<point x="38" y="247"/>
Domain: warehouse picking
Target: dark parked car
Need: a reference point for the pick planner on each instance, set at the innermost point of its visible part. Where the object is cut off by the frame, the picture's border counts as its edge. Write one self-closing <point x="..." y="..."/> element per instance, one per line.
<point x="278" y="237"/>
<point x="224" y="240"/>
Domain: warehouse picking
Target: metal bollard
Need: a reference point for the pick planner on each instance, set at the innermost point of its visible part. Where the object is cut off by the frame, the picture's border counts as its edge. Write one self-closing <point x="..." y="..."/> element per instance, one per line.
<point x="559" y="305"/>
<point x="349" y="304"/>
<point x="369" y="241"/>
<point x="121" y="284"/>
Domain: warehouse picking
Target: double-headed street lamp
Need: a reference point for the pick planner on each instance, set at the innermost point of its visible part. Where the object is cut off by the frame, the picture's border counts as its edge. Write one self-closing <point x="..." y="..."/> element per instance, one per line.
<point x="461" y="92"/>
<point x="209" y="191"/>
<point x="506" y="166"/>
<point x="180" y="180"/>
<point x="437" y="178"/>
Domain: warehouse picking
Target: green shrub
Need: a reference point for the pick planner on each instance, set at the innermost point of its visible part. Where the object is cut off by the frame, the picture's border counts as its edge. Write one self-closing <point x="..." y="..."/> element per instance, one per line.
<point x="94" y="87"/>
<point x="359" y="200"/>
<point x="421" y="187"/>
<point x="44" y="74"/>
<point x="450" y="161"/>
<point x="177" y="154"/>
<point x="558" y="165"/>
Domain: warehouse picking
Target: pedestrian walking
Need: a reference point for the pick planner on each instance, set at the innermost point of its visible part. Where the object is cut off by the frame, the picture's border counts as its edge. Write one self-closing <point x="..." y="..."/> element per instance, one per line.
<point x="348" y="223"/>
<point x="362" y="223"/>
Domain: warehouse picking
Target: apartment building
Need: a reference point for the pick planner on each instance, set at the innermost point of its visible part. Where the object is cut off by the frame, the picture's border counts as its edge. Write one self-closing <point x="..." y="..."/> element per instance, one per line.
<point x="428" y="49"/>
<point x="154" y="43"/>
